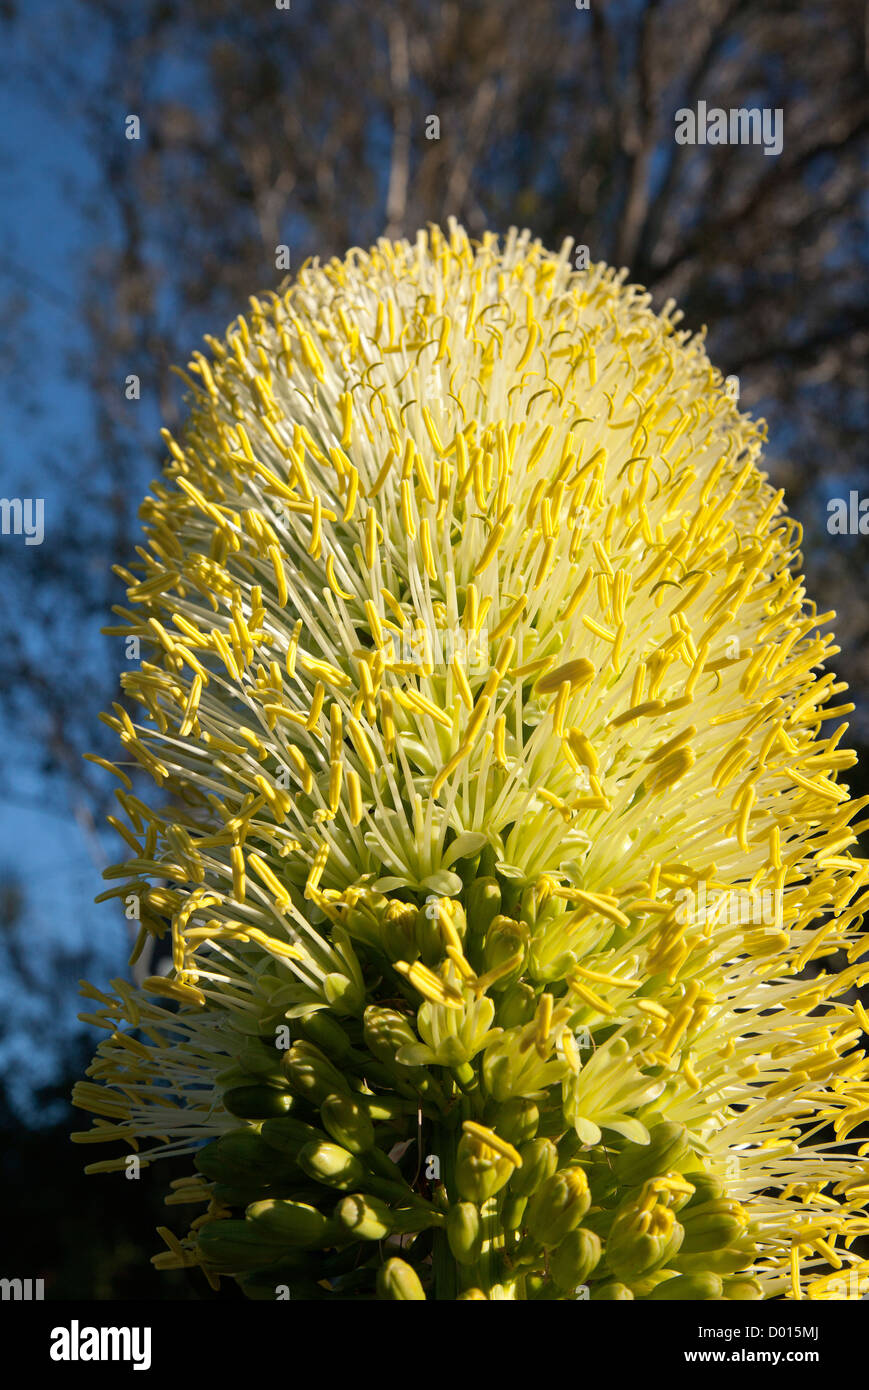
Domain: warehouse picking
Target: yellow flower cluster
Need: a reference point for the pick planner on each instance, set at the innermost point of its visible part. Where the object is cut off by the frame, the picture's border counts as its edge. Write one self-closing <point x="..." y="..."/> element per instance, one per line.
<point x="415" y="453"/>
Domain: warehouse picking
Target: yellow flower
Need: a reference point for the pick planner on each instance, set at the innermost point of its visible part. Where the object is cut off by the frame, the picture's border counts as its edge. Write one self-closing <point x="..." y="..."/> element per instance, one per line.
<point x="463" y="583"/>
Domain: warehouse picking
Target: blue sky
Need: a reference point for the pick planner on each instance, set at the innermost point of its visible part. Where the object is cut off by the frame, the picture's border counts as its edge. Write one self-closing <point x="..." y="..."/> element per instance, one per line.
<point x="42" y="241"/>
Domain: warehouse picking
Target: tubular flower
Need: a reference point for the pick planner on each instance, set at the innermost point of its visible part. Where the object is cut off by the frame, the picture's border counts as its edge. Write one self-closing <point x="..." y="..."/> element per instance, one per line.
<point x="477" y="673"/>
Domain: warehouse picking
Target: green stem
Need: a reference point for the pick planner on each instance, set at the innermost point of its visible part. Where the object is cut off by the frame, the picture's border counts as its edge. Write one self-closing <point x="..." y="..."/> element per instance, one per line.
<point x="444" y="1266"/>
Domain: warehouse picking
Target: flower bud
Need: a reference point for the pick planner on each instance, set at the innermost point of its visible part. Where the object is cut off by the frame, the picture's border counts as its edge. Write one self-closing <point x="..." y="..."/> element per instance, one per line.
<point x="706" y="1189"/>
<point x="696" y="1287"/>
<point x="331" y="1164"/>
<point x="310" y="1074"/>
<point x="386" y="1031"/>
<point x="611" y="1293"/>
<point x="364" y="920"/>
<point x="347" y="1122"/>
<point x="742" y="1290"/>
<point x="483" y="903"/>
<point x="280" y="1222"/>
<point x="641" y="1241"/>
<point x="257" y="1102"/>
<point x="364" y="1217"/>
<point x="501" y="1064"/>
<point x="727" y="1260"/>
<point x="399" y="931"/>
<point x="481" y="1171"/>
<point x="573" y="1260"/>
<point x="539" y="1162"/>
<point x="666" y="1148"/>
<point x="427" y="934"/>
<point x="327" y="1034"/>
<point x="396" y="1279"/>
<point x="712" y="1225"/>
<point x="465" y="1232"/>
<point x="287" y="1135"/>
<point x="558" y="1206"/>
<point x="238" y="1157"/>
<point x="517" y="1005"/>
<point x="518" y="1119"/>
<point x="233" y="1245"/>
<point x="506" y="940"/>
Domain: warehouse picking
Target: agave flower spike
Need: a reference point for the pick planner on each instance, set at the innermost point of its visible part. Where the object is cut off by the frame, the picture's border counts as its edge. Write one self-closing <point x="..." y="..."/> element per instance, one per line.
<point x="476" y="669"/>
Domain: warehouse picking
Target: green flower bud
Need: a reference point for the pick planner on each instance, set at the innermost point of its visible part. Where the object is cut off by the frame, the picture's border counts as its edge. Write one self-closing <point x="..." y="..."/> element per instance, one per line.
<point x="277" y="1221"/>
<point x="398" y="1280"/>
<point x="666" y="1149"/>
<point x="482" y="905"/>
<point x="742" y="1290"/>
<point x="459" y="919"/>
<point x="481" y="1171"/>
<point x="558" y="1206"/>
<point x="610" y="1293"/>
<point x="347" y="1121"/>
<point x="572" y="1261"/>
<point x="641" y="1241"/>
<point x="399" y="931"/>
<point x="539" y="1162"/>
<point x="706" y="1189"/>
<point x="386" y="1031"/>
<point x="233" y="1245"/>
<point x="465" y="1232"/>
<point x="533" y="901"/>
<point x="517" y="1119"/>
<point x="364" y="920"/>
<point x="287" y="1135"/>
<point x="601" y="1178"/>
<point x="513" y="1212"/>
<point x="712" y="1225"/>
<point x="238" y="1157"/>
<point x="506" y="940"/>
<point x="331" y="1164"/>
<point x="427" y="934"/>
<point x="476" y="1295"/>
<point x="364" y="1217"/>
<point x="310" y="1074"/>
<point x="516" y="1005"/>
<point x="728" y="1260"/>
<point x="259" y="1056"/>
<point x="697" y="1287"/>
<point x="257" y="1102"/>
<point x="327" y="1034"/>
